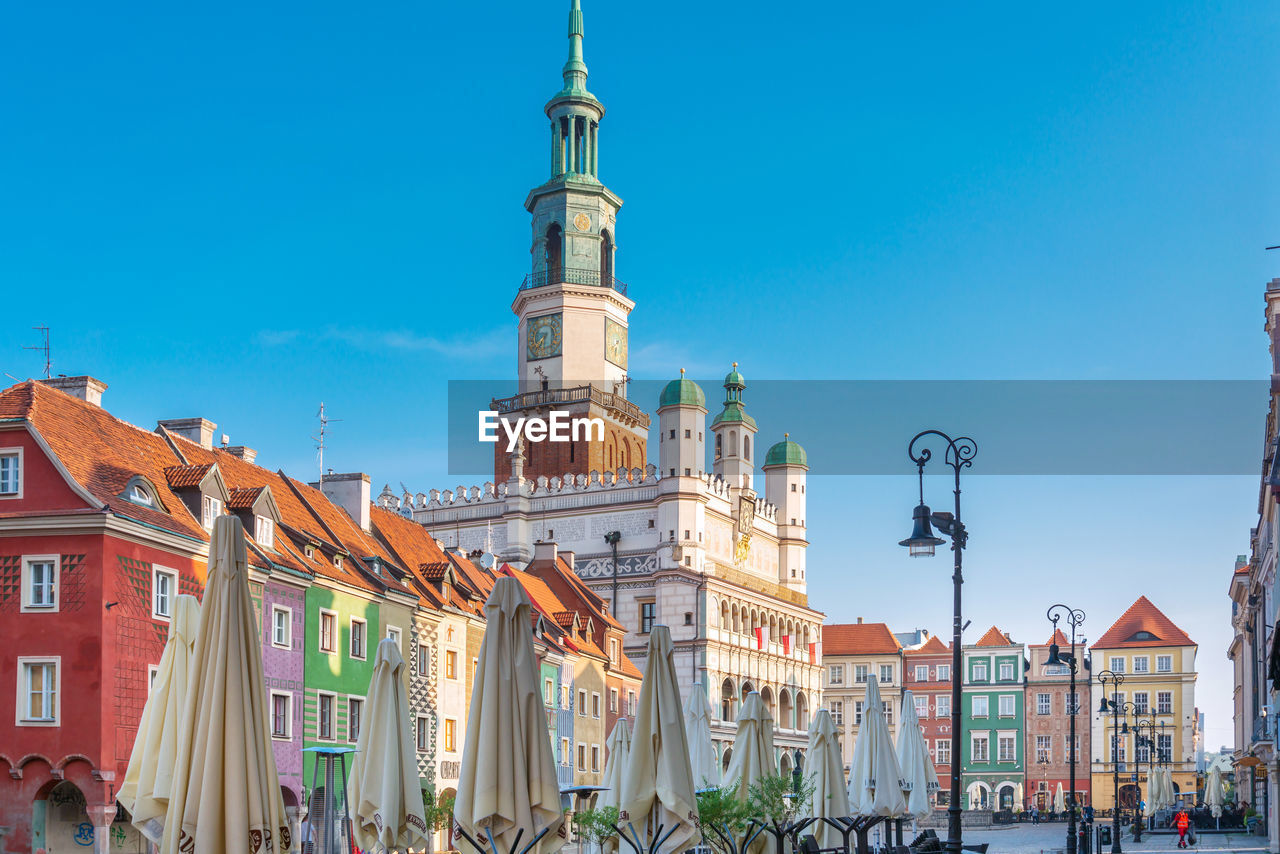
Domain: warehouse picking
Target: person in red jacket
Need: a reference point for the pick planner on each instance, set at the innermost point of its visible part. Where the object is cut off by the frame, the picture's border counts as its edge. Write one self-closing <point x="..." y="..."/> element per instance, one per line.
<point x="1182" y="821"/>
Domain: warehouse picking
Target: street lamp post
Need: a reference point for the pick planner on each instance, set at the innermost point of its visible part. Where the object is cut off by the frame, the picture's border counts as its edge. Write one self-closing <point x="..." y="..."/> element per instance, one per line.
<point x="959" y="454"/>
<point x="1117" y="708"/>
<point x="1074" y="618"/>
<point x="1149" y="742"/>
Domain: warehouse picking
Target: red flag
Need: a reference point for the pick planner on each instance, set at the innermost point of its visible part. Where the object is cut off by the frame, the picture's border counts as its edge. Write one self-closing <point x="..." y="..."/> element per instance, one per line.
<point x="786" y="644"/>
<point x="762" y="637"/>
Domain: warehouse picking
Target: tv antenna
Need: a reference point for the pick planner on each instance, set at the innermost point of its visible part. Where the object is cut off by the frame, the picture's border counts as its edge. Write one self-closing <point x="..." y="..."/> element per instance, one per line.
<point x="325" y="420"/>
<point x="44" y="348"/>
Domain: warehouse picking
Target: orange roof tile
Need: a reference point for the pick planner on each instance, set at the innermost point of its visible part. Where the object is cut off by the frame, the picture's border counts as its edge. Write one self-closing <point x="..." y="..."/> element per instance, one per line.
<point x="427" y="563"/>
<point x="243" y="498"/>
<point x="933" y="646"/>
<point x="186" y="477"/>
<point x="995" y="637"/>
<point x="858" y="639"/>
<point x="1057" y="637"/>
<point x="1143" y="625"/>
<point x="102" y="453"/>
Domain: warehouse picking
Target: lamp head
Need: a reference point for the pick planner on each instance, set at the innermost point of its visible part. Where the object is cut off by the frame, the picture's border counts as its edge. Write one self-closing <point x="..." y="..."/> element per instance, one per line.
<point x="922" y="541"/>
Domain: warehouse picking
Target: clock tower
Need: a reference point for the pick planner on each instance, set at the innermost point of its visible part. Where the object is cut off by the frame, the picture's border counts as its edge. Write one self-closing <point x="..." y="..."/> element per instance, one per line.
<point x="572" y="309"/>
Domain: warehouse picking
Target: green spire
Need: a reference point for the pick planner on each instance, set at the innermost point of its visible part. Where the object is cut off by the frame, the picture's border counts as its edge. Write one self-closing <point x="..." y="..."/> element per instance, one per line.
<point x="575" y="70"/>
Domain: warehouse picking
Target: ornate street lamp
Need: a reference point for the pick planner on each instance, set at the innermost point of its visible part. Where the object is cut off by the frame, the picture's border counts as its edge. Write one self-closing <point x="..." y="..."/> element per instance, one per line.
<point x="959" y="454"/>
<point x="1074" y="618"/>
<point x="1117" y="709"/>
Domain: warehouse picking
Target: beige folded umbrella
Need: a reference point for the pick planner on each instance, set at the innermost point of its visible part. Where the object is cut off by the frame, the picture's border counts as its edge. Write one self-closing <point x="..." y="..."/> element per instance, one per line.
<point x="752" y="747"/>
<point x="824" y="766"/>
<point x="657" y="785"/>
<point x="618" y="748"/>
<point x="697" y="723"/>
<point x="1059" y="800"/>
<point x="508" y="779"/>
<point x="383" y="792"/>
<point x="149" y="777"/>
<point x="226" y="794"/>
<point x="919" y="777"/>
<point x="875" y="782"/>
<point x="1214" y="794"/>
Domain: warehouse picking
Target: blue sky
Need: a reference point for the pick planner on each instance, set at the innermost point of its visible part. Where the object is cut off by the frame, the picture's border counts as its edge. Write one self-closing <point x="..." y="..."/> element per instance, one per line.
<point x="239" y="211"/>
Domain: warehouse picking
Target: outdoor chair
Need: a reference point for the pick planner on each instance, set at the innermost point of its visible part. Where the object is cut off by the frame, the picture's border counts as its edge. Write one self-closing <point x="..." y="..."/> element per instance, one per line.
<point x="809" y="845"/>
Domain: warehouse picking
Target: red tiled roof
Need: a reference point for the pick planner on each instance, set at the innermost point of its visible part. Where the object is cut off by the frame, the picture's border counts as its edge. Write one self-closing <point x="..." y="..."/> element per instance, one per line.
<point x="1057" y="637"/>
<point x="102" y="453"/>
<point x="1142" y="619"/>
<point x="186" y="477"/>
<point x="243" y="498"/>
<point x="994" y="637"/>
<point x="858" y="639"/>
<point x="932" y="646"/>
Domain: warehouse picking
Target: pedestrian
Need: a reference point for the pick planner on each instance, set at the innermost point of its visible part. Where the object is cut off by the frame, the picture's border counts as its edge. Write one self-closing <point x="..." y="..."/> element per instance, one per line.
<point x="1183" y="823"/>
<point x="1035" y="814"/>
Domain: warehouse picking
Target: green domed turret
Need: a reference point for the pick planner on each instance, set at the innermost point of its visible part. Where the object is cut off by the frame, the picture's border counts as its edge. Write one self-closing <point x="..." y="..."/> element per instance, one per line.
<point x="733" y="409"/>
<point x="786" y="453"/>
<point x="682" y="392"/>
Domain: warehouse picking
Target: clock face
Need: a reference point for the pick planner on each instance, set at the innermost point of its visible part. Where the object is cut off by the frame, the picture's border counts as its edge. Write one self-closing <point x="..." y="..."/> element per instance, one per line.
<point x="582" y="222"/>
<point x="543" y="336"/>
<point x="615" y="342"/>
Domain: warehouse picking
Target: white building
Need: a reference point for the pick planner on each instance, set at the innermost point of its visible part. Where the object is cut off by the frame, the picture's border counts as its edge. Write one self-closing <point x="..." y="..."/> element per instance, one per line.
<point x="701" y="549"/>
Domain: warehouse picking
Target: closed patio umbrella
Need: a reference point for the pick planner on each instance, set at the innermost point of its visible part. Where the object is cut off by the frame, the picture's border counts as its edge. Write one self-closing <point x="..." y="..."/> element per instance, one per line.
<point x="226" y="793"/>
<point x="919" y="777"/>
<point x="697" y="722"/>
<point x="618" y="749"/>
<point x="752" y="747"/>
<point x="1059" y="802"/>
<point x="508" y="778"/>
<point x="657" y="784"/>
<point x="1214" y="795"/>
<point x="875" y="781"/>
<point x="383" y="793"/>
<point x="149" y="777"/>
<point x="824" y="765"/>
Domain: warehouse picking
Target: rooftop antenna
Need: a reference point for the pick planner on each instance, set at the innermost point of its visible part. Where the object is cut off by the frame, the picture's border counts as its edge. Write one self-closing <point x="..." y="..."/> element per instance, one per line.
<point x="319" y="438"/>
<point x="44" y="348"/>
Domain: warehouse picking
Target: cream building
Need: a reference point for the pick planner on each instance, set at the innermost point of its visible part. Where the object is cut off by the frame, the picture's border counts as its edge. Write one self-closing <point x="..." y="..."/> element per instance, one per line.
<point x="852" y="653"/>
<point x="701" y="542"/>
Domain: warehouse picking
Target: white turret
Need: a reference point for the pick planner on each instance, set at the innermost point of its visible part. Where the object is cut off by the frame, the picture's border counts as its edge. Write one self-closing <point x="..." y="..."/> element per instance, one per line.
<point x="786" y="469"/>
<point x="735" y="435"/>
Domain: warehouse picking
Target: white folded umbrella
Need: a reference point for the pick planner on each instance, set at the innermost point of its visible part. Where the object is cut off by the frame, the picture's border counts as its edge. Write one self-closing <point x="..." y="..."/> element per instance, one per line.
<point x="1059" y="802"/>
<point x="384" y="796"/>
<point x="618" y="749"/>
<point x="657" y="785"/>
<point x="226" y="793"/>
<point x="824" y="768"/>
<point x="508" y="778"/>
<point x="875" y="781"/>
<point x="149" y="777"/>
<point x="697" y="722"/>
<point x="919" y="777"/>
<point x="1214" y="794"/>
<point x="752" y="747"/>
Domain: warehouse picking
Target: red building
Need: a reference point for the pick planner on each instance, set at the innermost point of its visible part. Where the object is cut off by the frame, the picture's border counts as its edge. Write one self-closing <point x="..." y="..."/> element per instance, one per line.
<point x="1048" y="704"/>
<point x="94" y="546"/>
<point x="926" y="673"/>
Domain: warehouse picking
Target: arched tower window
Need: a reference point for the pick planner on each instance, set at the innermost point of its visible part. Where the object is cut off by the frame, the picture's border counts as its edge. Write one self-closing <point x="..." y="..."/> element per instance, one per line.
<point x="554" y="253"/>
<point x="719" y="445"/>
<point x="733" y="443"/>
<point x="606" y="259"/>
<point x="746" y="446"/>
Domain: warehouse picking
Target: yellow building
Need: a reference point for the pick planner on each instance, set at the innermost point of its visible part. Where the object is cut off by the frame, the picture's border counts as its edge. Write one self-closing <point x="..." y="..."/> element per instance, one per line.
<point x="1157" y="663"/>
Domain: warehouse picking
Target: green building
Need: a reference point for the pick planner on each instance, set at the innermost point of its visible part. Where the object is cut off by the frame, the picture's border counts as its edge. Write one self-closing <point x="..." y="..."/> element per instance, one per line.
<point x="993" y="760"/>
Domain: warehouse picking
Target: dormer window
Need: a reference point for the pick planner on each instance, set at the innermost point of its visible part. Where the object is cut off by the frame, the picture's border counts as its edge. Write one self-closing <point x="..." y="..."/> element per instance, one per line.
<point x="337" y="561"/>
<point x="138" y="494"/>
<point x="310" y="551"/>
<point x="212" y="510"/>
<point x="264" y="531"/>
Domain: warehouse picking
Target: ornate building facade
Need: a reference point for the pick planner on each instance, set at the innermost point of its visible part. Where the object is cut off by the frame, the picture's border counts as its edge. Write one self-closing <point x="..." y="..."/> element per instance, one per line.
<point x="697" y="547"/>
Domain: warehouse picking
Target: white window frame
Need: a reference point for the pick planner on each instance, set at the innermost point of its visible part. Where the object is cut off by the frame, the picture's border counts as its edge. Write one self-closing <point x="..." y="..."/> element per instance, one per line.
<point x="582" y="703"/>
<point x="595" y="759"/>
<point x="922" y="669"/>
<point x="939" y="744"/>
<point x="986" y="706"/>
<point x="333" y="637"/>
<point x="355" y="698"/>
<point x="16" y="452"/>
<point x="613" y="701"/>
<point x="22" y="695"/>
<point x="596" y="705"/>
<point x="1012" y="705"/>
<point x="1006" y="667"/>
<point x="582" y="756"/>
<point x="980" y="672"/>
<point x="420" y="734"/>
<point x="55" y="605"/>
<point x="985" y="736"/>
<point x="1159" y="704"/>
<point x="860" y="674"/>
<point x="566" y="752"/>
<point x="288" y="725"/>
<point x="835" y="674"/>
<point x="944" y="673"/>
<point x="1142" y="664"/>
<point x="396" y="634"/>
<point x="264" y="531"/>
<point x="1044" y="748"/>
<point x="858" y="706"/>
<point x="153" y="670"/>
<point x="939" y="701"/>
<point x="288" y="625"/>
<point x="1044" y="703"/>
<point x="1012" y="738"/>
<point x="210" y="510"/>
<point x="922" y="706"/>
<point x="364" y="638"/>
<point x="451" y="655"/>
<point x="422" y="667"/>
<point x="1162" y="659"/>
<point x="156" y="572"/>
<point x="333" y="716"/>
<point x="891" y="669"/>
<point x="1117" y="663"/>
<point x="1143" y="707"/>
<point x="836" y="709"/>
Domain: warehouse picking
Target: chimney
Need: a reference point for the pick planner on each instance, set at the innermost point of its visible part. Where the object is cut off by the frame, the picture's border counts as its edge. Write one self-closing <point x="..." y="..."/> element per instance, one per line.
<point x="198" y="430"/>
<point x="246" y="454"/>
<point x="351" y="493"/>
<point x="544" y="551"/>
<point x="568" y="558"/>
<point x="87" y="389"/>
<point x="859" y="621"/>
